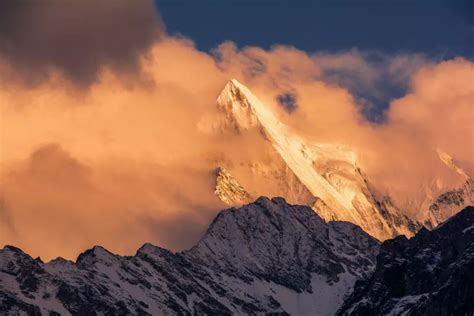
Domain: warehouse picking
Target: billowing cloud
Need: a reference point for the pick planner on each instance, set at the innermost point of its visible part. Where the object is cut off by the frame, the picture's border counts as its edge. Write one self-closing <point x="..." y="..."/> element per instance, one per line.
<point x="119" y="164"/>
<point x="76" y="38"/>
<point x="373" y="78"/>
<point x="57" y="205"/>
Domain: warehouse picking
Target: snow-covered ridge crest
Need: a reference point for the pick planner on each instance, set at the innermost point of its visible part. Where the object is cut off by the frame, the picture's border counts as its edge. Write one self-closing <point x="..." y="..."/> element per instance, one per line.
<point x="240" y="114"/>
<point x="329" y="172"/>
<point x="265" y="257"/>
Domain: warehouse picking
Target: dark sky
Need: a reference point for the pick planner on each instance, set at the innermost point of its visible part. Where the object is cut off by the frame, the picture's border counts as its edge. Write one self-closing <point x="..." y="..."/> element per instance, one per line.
<point x="441" y="29"/>
<point x="438" y="29"/>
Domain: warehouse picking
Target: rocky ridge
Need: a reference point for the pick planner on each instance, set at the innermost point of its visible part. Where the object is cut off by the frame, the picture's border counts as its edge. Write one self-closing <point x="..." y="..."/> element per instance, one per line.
<point x="229" y="190"/>
<point x="265" y="257"/>
<point x="429" y="274"/>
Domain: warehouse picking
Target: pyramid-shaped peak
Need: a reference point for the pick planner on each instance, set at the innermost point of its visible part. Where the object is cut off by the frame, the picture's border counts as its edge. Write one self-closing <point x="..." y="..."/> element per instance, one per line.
<point x="233" y="92"/>
<point x="232" y="85"/>
<point x="243" y="110"/>
<point x="233" y="102"/>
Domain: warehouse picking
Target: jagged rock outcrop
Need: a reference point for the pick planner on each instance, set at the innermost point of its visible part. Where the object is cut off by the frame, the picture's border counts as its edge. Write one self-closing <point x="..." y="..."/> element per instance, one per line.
<point x="265" y="257"/>
<point x="442" y="199"/>
<point x="430" y="274"/>
<point x="229" y="190"/>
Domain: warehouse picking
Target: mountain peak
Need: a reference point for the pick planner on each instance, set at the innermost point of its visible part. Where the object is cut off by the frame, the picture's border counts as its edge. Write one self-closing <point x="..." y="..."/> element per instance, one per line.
<point x="96" y="254"/>
<point x="11" y="259"/>
<point x="278" y="241"/>
<point x="265" y="257"/>
<point x="327" y="175"/>
<point x="233" y="102"/>
<point x="232" y="87"/>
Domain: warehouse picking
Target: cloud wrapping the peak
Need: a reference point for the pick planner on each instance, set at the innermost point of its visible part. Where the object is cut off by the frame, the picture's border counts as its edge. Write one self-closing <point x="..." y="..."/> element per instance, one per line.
<point x="119" y="164"/>
<point x="373" y="78"/>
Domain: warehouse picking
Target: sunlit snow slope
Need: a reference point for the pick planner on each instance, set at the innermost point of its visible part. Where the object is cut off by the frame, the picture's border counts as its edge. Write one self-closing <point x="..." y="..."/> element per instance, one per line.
<point x="329" y="173"/>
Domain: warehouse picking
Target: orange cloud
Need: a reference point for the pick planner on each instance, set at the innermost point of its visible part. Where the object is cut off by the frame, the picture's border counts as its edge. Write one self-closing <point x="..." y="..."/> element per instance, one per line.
<point x="133" y="161"/>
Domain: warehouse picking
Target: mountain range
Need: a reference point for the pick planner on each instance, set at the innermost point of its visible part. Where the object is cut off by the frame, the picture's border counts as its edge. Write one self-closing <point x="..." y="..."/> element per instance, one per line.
<point x="267" y="257"/>
<point x="326" y="177"/>
<point x="332" y="244"/>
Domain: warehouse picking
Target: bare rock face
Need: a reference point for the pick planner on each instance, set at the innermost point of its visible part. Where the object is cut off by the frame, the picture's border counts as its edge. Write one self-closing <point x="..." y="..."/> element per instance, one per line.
<point x="325" y="177"/>
<point x="443" y="200"/>
<point x="229" y="190"/>
<point x="430" y="274"/>
<point x="450" y="202"/>
<point x="265" y="257"/>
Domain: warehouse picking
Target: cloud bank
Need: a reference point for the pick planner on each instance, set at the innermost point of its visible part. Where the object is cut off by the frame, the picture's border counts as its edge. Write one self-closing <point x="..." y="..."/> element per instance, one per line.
<point x="130" y="159"/>
<point x="75" y="38"/>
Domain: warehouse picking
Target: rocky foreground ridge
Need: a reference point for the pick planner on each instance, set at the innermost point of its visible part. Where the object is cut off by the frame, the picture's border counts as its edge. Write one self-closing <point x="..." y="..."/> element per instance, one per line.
<point x="267" y="257"/>
<point x="429" y="274"/>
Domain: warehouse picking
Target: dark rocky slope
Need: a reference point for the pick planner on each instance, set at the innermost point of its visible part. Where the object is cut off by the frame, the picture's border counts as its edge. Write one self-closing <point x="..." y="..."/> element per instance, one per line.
<point x="430" y="274"/>
<point x="267" y="257"/>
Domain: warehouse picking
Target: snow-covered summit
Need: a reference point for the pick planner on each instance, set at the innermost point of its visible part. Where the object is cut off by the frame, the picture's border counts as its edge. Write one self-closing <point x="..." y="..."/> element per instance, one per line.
<point x="240" y="113"/>
<point x="281" y="242"/>
<point x="327" y="173"/>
